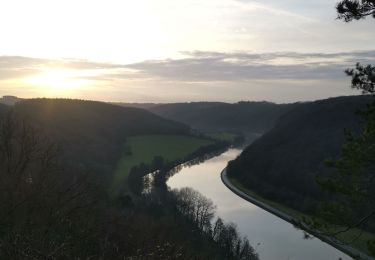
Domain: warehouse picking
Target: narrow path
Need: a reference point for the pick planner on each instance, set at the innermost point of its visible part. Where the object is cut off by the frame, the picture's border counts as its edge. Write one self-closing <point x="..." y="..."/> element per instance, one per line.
<point x="353" y="252"/>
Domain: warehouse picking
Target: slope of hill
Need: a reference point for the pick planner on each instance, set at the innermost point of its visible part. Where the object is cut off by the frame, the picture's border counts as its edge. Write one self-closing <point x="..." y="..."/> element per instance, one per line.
<point x="253" y="117"/>
<point x="136" y="105"/>
<point x="92" y="134"/>
<point x="283" y="164"/>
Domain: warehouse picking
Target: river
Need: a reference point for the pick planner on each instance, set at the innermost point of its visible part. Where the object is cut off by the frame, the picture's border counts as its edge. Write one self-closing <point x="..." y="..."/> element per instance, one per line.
<point x="272" y="237"/>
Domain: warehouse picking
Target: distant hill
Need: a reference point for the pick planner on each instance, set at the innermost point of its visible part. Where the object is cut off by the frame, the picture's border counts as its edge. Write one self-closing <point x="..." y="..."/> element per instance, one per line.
<point x="136" y="105"/>
<point x="9" y="100"/>
<point x="92" y="134"/>
<point x="282" y="165"/>
<point x="254" y="117"/>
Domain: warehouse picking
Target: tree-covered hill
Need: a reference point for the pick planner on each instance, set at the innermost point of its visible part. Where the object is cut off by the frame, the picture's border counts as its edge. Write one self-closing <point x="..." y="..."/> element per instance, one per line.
<point x="283" y="164"/>
<point x="50" y="210"/>
<point x="136" y="105"/>
<point x="253" y="117"/>
<point x="92" y="134"/>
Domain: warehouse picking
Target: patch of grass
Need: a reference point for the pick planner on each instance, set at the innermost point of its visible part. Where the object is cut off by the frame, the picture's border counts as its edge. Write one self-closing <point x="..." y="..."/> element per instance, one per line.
<point x="355" y="237"/>
<point x="291" y="212"/>
<point x="145" y="147"/>
<point x="223" y="136"/>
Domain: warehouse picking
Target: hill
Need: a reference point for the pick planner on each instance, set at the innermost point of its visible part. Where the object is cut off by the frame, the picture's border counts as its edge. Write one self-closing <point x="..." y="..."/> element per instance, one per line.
<point x="136" y="105"/>
<point x="47" y="198"/>
<point x="283" y="164"/>
<point x="92" y="134"/>
<point x="245" y="117"/>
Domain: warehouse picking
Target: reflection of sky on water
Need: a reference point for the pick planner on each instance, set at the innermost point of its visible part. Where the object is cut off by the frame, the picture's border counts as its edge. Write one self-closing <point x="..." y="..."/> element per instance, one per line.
<point x="273" y="238"/>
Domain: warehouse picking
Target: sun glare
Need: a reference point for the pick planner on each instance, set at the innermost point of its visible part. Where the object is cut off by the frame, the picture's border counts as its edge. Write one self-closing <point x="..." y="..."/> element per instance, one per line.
<point x="58" y="81"/>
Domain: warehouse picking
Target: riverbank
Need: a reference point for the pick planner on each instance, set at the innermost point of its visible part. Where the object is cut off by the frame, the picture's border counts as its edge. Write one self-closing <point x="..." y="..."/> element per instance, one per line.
<point x="353" y="252"/>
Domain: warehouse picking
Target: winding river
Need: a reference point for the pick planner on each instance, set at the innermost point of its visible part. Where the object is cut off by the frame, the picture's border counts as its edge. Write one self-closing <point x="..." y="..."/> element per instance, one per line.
<point x="272" y="237"/>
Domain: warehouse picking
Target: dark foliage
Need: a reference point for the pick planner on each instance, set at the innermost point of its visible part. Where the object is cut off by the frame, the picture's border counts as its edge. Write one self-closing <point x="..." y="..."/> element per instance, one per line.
<point x="283" y="164"/>
<point x="363" y="78"/>
<point x="352" y="187"/>
<point x="349" y="10"/>
<point x="48" y="212"/>
<point x="200" y="211"/>
<point x="351" y="202"/>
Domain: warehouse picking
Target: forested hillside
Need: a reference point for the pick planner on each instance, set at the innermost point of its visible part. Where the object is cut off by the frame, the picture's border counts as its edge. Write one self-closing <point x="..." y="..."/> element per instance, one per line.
<point x="283" y="164"/>
<point x="136" y="105"/>
<point x="50" y="210"/>
<point x="253" y="117"/>
<point x="92" y="134"/>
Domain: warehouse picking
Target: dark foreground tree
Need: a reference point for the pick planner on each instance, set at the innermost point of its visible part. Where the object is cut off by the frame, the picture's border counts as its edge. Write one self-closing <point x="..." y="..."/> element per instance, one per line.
<point x="349" y="10"/>
<point x="201" y="211"/>
<point x="363" y="76"/>
<point x="45" y="212"/>
<point x="353" y="185"/>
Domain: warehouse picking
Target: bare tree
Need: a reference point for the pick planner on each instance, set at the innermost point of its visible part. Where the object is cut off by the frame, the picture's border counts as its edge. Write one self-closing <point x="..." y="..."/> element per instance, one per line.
<point x="196" y="207"/>
<point x="41" y="204"/>
<point x="201" y="210"/>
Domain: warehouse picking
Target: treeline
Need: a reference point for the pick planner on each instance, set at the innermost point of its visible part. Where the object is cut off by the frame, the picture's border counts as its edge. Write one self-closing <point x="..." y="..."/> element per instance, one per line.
<point x="201" y="211"/>
<point x="137" y="180"/>
<point x="198" y="213"/>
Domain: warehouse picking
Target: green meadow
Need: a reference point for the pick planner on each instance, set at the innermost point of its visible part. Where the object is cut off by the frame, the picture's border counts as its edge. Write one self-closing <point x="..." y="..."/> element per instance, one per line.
<point x="145" y="147"/>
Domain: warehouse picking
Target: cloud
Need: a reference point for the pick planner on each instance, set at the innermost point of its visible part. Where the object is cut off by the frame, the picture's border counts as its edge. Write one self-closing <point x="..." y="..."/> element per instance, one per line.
<point x="15" y="67"/>
<point x="200" y="66"/>
<point x="198" y="75"/>
<point x="216" y="66"/>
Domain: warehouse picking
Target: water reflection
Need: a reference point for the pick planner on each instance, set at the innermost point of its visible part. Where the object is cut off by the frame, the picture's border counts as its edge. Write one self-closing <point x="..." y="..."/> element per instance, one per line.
<point x="273" y="238"/>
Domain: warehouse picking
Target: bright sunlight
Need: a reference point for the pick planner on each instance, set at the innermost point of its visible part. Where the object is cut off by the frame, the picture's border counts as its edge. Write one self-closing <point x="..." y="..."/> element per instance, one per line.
<point x="58" y="81"/>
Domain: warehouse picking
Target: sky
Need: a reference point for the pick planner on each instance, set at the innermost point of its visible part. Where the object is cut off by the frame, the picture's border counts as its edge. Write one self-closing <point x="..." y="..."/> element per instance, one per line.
<point x="179" y="50"/>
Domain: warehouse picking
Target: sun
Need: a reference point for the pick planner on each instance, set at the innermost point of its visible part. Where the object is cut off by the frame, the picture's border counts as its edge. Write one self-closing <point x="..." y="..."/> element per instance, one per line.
<point x="58" y="81"/>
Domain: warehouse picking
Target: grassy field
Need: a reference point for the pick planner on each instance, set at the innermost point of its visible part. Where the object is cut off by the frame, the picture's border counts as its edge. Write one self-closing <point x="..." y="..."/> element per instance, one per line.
<point x="357" y="238"/>
<point x="145" y="148"/>
<point x="223" y="136"/>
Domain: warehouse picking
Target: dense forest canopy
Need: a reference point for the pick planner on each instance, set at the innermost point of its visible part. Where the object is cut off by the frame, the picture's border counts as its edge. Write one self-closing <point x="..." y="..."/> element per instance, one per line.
<point x="283" y="164"/>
